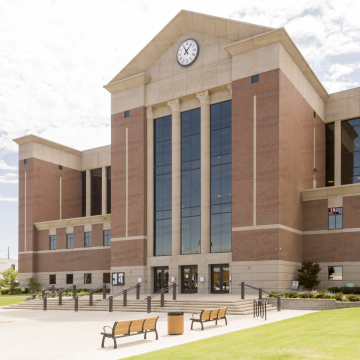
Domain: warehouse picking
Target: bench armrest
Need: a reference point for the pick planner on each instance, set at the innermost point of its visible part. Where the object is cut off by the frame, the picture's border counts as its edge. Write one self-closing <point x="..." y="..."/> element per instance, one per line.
<point x="195" y="314"/>
<point x="107" y="327"/>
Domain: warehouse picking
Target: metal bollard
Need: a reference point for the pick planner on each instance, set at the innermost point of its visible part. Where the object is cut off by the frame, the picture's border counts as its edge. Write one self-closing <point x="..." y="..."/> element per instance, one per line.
<point x="279" y="303"/>
<point x="110" y="304"/>
<point x="33" y="296"/>
<point x="149" y="304"/>
<point x="242" y="290"/>
<point x="162" y="299"/>
<point x="104" y="291"/>
<point x="76" y="303"/>
<point x="260" y="294"/>
<point x="137" y="291"/>
<point x="125" y="298"/>
<point x="60" y="297"/>
<point x="74" y="291"/>
<point x="43" y="293"/>
<point x="45" y="304"/>
<point x="52" y="290"/>
<point x="174" y="291"/>
<point x="90" y="298"/>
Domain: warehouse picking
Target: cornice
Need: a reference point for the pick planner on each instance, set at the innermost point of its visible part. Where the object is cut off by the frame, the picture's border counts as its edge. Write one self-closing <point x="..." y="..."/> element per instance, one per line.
<point x="326" y="192"/>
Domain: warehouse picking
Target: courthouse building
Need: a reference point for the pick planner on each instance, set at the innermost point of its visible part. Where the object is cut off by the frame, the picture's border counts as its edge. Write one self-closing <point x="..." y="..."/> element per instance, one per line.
<point x="228" y="161"/>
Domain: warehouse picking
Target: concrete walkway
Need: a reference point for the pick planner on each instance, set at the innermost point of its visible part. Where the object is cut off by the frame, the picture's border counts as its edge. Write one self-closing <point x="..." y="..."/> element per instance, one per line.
<point x="37" y="335"/>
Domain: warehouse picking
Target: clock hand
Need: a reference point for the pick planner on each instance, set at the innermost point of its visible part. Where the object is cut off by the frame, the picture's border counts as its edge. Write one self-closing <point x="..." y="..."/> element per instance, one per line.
<point x="185" y="50"/>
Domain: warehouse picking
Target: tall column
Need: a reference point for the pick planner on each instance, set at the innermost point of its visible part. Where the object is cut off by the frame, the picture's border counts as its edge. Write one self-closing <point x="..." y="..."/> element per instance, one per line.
<point x="337" y="171"/>
<point x="103" y="190"/>
<point x="88" y="193"/>
<point x="204" y="99"/>
<point x="176" y="175"/>
<point x="150" y="181"/>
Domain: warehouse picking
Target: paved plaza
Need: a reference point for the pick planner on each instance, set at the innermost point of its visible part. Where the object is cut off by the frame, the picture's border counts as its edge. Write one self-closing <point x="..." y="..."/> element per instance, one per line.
<point x="33" y="334"/>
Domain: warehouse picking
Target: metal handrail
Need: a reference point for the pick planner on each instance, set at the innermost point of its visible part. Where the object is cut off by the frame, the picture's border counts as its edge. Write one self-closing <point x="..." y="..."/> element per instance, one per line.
<point x="161" y="292"/>
<point x="90" y="291"/>
<point x="124" y="293"/>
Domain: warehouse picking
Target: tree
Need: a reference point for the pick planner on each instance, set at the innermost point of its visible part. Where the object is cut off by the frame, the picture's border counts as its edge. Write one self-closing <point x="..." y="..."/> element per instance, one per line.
<point x="33" y="285"/>
<point x="9" y="279"/>
<point x="308" y="275"/>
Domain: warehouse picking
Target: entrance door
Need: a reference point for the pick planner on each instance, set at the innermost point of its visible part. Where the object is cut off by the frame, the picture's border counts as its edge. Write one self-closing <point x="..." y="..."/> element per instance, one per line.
<point x="220" y="279"/>
<point x="189" y="279"/>
<point x="161" y="277"/>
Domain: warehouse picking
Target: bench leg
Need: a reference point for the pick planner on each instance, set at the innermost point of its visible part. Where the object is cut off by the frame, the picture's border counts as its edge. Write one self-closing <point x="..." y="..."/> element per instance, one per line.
<point x="103" y="342"/>
<point x="192" y="323"/>
<point x="215" y="322"/>
<point x="202" y="326"/>
<point x="225" y="321"/>
<point x="115" y="344"/>
<point x="156" y="334"/>
<point x="145" y="334"/>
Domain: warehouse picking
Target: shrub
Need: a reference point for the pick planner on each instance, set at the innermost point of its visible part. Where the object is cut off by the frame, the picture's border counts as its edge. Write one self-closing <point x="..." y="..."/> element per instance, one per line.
<point x="320" y="295"/>
<point x="306" y="295"/>
<point x="351" y="297"/>
<point x="339" y="296"/>
<point x="34" y="285"/>
<point x="350" y="290"/>
<point x="274" y="293"/>
<point x="308" y="275"/>
<point x="291" y="294"/>
<point x="5" y="292"/>
<point x="334" y="289"/>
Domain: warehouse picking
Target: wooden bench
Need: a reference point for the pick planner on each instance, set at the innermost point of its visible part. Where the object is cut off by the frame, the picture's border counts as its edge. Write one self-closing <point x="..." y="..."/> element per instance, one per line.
<point x="209" y="315"/>
<point x="129" y="328"/>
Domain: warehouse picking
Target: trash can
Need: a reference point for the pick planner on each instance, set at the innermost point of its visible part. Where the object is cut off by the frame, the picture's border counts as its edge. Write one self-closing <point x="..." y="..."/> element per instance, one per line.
<point x="175" y="323"/>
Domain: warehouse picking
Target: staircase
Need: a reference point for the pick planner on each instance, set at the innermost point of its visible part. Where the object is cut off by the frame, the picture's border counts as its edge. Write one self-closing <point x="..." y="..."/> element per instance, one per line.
<point x="238" y="307"/>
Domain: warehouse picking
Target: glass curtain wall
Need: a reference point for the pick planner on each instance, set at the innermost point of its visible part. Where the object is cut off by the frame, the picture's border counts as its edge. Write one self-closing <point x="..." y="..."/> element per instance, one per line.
<point x="96" y="191"/>
<point x="162" y="186"/>
<point x="83" y="193"/>
<point x="220" y="197"/>
<point x="108" y="198"/>
<point x="330" y="151"/>
<point x="190" y="182"/>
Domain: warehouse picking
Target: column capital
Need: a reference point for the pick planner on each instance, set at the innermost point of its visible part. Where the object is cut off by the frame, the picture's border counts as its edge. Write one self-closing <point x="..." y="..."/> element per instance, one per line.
<point x="229" y="87"/>
<point x="204" y="97"/>
<point x="174" y="105"/>
<point x="150" y="112"/>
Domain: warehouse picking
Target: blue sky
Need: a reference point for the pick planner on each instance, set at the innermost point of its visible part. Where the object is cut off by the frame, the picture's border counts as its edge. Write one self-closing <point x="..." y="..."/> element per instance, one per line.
<point x="55" y="56"/>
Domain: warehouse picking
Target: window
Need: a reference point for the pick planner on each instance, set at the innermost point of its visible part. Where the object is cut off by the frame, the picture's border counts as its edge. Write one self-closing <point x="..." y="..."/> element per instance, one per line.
<point x="52" y="242"/>
<point x="13" y="266"/>
<point x="52" y="279"/>
<point x="87" y="278"/>
<point x="163" y="184"/>
<point x="350" y="151"/>
<point x="335" y="272"/>
<point x="25" y="161"/>
<point x="96" y="192"/>
<point x="335" y="218"/>
<point x="69" y="241"/>
<point x="118" y="278"/>
<point x="314" y="114"/>
<point x="69" y="278"/>
<point x="190" y="182"/>
<point x="106" y="278"/>
<point x="127" y="113"/>
<point x="83" y="182"/>
<point x="220" y="177"/>
<point x="88" y="239"/>
<point x="255" y="79"/>
<point x="107" y="238"/>
<point x="60" y="167"/>
<point x="329" y="151"/>
<point x="108" y="188"/>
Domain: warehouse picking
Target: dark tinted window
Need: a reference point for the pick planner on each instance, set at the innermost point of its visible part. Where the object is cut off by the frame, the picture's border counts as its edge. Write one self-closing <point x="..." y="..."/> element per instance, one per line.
<point x="69" y="278"/>
<point x="83" y="182"/>
<point x="106" y="278"/>
<point x="69" y="241"/>
<point x="108" y="188"/>
<point x="107" y="237"/>
<point x="127" y="113"/>
<point x="255" y="79"/>
<point x="96" y="192"/>
<point x="88" y="239"/>
<point x="52" y="279"/>
<point x="52" y="242"/>
<point x="87" y="278"/>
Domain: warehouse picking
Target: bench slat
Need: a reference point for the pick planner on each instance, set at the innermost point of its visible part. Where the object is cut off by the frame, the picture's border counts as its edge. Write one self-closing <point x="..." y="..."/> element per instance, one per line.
<point x="137" y="325"/>
<point x="150" y="323"/>
<point x="122" y="328"/>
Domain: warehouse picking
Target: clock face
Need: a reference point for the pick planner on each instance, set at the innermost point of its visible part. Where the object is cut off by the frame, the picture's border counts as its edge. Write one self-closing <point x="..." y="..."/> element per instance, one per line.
<point x="187" y="53"/>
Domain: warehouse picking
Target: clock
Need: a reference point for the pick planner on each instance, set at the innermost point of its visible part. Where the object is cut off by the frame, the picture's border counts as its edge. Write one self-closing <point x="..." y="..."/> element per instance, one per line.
<point x="188" y="52"/>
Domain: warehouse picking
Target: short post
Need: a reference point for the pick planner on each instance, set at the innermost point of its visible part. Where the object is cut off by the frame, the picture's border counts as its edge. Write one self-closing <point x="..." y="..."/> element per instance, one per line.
<point x="260" y="294"/>
<point x="174" y="291"/>
<point x="45" y="304"/>
<point x="76" y="303"/>
<point x="110" y="304"/>
<point x="53" y="290"/>
<point x="162" y="299"/>
<point x="90" y="298"/>
<point x="242" y="290"/>
<point x="278" y="303"/>
<point x="33" y="296"/>
<point x="137" y="291"/>
<point x="149" y="304"/>
<point x="43" y="293"/>
<point x="60" y="297"/>
<point x="125" y="298"/>
<point x="74" y="291"/>
<point x="104" y="291"/>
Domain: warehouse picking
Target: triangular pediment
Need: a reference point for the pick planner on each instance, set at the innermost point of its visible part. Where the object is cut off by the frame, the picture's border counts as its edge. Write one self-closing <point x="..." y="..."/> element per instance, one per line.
<point x="187" y="21"/>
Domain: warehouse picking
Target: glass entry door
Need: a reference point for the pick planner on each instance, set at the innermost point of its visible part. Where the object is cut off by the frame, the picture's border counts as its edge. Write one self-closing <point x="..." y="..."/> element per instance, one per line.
<point x="189" y="279"/>
<point x="161" y="278"/>
<point x="220" y="279"/>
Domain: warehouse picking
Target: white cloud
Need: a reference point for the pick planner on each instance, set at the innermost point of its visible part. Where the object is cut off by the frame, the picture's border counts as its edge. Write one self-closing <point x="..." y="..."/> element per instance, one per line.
<point x="4" y="166"/>
<point x="6" y="180"/>
<point x="11" y="174"/>
<point x="14" y="199"/>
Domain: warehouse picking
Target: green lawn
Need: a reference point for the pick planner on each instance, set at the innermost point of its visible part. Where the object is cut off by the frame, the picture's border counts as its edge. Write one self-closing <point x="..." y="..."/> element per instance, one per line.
<point x="331" y="334"/>
<point x="11" y="299"/>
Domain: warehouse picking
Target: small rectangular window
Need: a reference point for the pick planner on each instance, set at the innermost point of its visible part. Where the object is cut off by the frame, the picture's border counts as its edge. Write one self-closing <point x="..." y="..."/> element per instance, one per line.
<point x="87" y="278"/>
<point x="25" y="161"/>
<point x="13" y="266"/>
<point x="118" y="278"/>
<point x="88" y="239"/>
<point x="69" y="241"/>
<point x="60" y="167"/>
<point x="69" y="278"/>
<point x="52" y="279"/>
<point x="314" y="114"/>
<point x="52" y="242"/>
<point x="127" y="113"/>
<point x="335" y="218"/>
<point x="107" y="237"/>
<point x="106" y="278"/>
<point x="335" y="272"/>
<point x="255" y="79"/>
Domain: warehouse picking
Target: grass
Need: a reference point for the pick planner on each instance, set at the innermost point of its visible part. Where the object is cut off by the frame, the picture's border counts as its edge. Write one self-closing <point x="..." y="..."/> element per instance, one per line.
<point x="11" y="299"/>
<point x="330" y="334"/>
